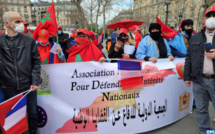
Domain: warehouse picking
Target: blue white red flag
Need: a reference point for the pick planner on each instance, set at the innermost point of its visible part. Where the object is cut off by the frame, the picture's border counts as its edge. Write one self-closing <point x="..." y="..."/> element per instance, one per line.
<point x="99" y="40"/>
<point x="13" y="117"/>
<point x="130" y="72"/>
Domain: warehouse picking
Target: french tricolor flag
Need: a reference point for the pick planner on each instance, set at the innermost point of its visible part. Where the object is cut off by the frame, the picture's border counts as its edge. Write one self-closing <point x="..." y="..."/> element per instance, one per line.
<point x="130" y="72"/>
<point x="99" y="40"/>
<point x="13" y="117"/>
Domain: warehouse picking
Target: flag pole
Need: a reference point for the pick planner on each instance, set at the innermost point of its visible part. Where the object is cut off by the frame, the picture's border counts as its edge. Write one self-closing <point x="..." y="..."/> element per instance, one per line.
<point x="28" y="91"/>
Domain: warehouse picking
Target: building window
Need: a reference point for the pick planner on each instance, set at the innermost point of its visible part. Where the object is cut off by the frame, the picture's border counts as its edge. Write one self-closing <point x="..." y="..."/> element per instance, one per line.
<point x="11" y="1"/>
<point x="17" y="1"/>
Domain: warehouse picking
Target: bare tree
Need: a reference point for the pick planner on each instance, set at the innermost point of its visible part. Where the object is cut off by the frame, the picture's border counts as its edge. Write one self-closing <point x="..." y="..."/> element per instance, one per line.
<point x="81" y="15"/>
<point x="90" y="10"/>
<point x="105" y="4"/>
<point x="98" y="13"/>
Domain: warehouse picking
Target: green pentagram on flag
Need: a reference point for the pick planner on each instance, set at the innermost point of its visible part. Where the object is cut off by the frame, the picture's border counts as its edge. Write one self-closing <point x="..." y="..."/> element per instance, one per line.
<point x="46" y="17"/>
<point x="182" y="69"/>
<point x="166" y="32"/>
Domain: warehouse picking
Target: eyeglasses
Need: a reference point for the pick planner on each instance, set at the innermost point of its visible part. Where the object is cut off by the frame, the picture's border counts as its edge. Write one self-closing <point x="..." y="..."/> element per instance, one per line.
<point x="123" y="35"/>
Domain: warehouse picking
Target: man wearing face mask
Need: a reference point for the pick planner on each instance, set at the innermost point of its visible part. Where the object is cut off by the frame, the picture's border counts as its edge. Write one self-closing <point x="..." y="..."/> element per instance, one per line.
<point x="21" y="61"/>
<point x="154" y="46"/>
<point x="63" y="38"/>
<point x="179" y="43"/>
<point x="44" y="45"/>
<point x="200" y="67"/>
<point x="84" y="49"/>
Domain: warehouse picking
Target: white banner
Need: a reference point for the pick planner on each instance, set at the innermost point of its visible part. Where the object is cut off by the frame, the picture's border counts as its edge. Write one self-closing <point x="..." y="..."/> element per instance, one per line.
<point x="86" y="97"/>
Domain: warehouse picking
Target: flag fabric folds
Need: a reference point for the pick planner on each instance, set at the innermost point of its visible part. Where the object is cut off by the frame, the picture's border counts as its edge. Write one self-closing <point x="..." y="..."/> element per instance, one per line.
<point x="166" y="31"/>
<point x="48" y="22"/>
<point x="13" y="117"/>
<point x="130" y="73"/>
<point x="99" y="40"/>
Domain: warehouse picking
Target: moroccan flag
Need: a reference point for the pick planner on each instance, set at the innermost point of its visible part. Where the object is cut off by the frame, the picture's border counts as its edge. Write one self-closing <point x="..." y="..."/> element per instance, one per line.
<point x="166" y="31"/>
<point x="137" y="38"/>
<point x="84" y="52"/>
<point x="48" y="22"/>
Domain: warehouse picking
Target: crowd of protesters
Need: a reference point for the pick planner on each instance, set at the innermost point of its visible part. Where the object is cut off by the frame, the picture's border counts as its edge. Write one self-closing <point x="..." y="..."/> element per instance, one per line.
<point x="21" y="57"/>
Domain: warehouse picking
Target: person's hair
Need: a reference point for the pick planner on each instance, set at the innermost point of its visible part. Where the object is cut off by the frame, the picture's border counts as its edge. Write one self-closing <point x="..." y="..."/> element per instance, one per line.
<point x="6" y="15"/>
<point x="116" y="28"/>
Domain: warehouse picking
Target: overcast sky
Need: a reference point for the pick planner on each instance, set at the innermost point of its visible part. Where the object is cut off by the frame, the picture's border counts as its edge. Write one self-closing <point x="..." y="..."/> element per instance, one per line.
<point x="117" y="7"/>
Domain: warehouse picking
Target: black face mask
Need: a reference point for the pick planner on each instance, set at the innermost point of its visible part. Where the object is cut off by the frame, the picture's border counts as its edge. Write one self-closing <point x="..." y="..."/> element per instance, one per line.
<point x="189" y="31"/>
<point x="155" y="35"/>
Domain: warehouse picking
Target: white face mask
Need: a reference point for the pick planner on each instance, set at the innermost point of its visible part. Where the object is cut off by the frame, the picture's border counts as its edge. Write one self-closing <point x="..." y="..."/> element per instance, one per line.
<point x="210" y="23"/>
<point x="19" y="28"/>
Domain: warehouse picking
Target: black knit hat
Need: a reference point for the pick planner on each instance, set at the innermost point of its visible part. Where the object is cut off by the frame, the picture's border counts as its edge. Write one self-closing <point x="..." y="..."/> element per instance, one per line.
<point x="154" y="26"/>
<point x="187" y="22"/>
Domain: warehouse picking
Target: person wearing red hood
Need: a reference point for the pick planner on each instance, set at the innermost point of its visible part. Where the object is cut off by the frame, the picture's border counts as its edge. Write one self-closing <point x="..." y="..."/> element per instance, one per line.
<point x="92" y="35"/>
<point x="84" y="50"/>
<point x="26" y="29"/>
<point x="44" y="47"/>
<point x="135" y="35"/>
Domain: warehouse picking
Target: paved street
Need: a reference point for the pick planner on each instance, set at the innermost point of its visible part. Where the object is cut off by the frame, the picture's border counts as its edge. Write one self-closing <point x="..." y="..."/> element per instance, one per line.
<point x="187" y="125"/>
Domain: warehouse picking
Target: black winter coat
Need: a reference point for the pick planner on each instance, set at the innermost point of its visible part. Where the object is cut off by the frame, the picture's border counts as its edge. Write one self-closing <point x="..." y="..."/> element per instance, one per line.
<point x="195" y="57"/>
<point x="21" y="61"/>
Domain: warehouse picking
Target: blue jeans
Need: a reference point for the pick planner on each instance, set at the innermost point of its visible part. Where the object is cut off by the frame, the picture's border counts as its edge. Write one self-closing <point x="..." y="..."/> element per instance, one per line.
<point x="31" y="107"/>
<point x="202" y="92"/>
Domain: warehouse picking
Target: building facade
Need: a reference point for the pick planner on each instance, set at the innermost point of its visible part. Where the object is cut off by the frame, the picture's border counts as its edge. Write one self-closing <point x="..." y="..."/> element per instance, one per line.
<point x="21" y="6"/>
<point x="147" y="11"/>
<point x="66" y="13"/>
<point x="123" y="15"/>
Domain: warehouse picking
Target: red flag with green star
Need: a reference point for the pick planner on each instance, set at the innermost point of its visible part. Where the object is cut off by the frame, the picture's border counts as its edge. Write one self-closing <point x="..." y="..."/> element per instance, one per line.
<point x="48" y="22"/>
<point x="166" y="31"/>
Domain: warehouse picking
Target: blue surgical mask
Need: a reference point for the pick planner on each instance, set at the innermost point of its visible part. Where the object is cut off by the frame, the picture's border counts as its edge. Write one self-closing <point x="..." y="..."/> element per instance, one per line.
<point x="59" y="32"/>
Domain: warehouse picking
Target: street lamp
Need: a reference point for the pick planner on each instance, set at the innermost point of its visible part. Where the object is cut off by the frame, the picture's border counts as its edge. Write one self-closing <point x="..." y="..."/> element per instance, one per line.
<point x="167" y="3"/>
<point x="180" y="17"/>
<point x="76" y="22"/>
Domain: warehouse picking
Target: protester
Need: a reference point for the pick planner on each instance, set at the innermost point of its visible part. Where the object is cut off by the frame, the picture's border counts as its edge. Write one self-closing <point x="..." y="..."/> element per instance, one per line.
<point x="117" y="50"/>
<point x="84" y="50"/>
<point x="71" y="41"/>
<point x="21" y="61"/>
<point x="92" y="35"/>
<point x="133" y="31"/>
<point x="199" y="68"/>
<point x="154" y="46"/>
<point x="179" y="43"/>
<point x="114" y="35"/>
<point x="27" y="30"/>
<point x="44" y="46"/>
<point x="108" y="43"/>
<point x="63" y="38"/>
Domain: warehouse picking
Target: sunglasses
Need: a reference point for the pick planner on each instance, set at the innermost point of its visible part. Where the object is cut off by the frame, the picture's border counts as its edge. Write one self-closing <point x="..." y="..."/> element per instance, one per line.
<point x="123" y="35"/>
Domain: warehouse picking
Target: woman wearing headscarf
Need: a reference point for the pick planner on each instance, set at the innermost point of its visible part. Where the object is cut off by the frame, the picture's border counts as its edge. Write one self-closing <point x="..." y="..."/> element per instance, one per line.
<point x="84" y="49"/>
<point x="154" y="46"/>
